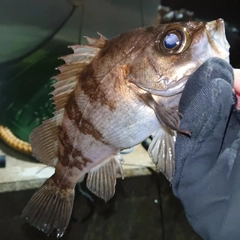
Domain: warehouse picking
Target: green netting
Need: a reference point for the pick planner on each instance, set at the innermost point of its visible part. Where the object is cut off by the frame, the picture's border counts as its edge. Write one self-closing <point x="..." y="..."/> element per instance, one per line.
<point x="25" y="87"/>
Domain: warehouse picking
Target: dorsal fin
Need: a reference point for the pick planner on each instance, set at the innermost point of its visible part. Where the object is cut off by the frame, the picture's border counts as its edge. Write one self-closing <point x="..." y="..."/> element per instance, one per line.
<point x="44" y="138"/>
<point x="97" y="42"/>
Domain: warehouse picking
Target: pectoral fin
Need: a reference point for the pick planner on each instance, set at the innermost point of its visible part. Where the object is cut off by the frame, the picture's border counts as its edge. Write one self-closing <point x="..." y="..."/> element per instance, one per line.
<point x="101" y="180"/>
<point x="168" y="116"/>
<point x="161" y="151"/>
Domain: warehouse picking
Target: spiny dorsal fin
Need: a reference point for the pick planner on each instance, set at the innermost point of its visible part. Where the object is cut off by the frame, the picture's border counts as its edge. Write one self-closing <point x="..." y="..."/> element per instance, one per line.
<point x="101" y="180"/>
<point x="97" y="42"/>
<point x="44" y="138"/>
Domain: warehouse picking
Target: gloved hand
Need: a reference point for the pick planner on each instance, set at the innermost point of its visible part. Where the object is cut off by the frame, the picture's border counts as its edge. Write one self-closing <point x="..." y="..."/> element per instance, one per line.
<point x="207" y="173"/>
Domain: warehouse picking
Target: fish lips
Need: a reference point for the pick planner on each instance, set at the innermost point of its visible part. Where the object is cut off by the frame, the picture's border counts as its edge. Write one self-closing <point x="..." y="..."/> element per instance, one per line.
<point x="217" y="38"/>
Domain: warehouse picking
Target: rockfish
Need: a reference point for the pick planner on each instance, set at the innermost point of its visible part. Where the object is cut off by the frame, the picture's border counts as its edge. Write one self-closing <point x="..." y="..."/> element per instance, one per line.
<point x="111" y="95"/>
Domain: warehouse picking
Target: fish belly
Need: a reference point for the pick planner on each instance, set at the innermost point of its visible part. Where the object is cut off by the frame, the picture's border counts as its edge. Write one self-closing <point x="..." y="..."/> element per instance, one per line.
<point x="127" y="124"/>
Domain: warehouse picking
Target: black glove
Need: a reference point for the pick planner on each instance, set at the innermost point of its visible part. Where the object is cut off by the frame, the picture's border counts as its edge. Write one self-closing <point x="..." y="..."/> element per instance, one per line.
<point x="207" y="173"/>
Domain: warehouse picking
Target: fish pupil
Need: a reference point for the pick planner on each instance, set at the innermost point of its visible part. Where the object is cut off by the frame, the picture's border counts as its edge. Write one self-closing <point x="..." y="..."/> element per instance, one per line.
<point x="171" y="41"/>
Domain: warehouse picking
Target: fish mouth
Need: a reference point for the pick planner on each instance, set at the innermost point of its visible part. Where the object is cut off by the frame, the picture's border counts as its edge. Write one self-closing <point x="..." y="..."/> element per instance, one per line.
<point x="217" y="38"/>
<point x="171" y="90"/>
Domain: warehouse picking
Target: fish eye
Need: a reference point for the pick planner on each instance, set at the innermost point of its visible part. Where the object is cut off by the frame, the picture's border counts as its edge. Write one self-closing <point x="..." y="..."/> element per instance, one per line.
<point x="174" y="40"/>
<point x="171" y="41"/>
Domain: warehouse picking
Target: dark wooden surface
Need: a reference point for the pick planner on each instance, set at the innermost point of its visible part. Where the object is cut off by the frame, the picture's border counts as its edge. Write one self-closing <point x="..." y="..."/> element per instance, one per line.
<point x="142" y="209"/>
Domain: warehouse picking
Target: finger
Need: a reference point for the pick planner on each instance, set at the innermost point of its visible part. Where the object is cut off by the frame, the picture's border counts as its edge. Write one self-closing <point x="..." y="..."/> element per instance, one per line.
<point x="236" y="86"/>
<point x="236" y="80"/>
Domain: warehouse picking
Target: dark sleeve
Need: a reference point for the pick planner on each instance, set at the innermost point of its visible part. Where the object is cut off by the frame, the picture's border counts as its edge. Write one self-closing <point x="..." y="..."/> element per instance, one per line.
<point x="207" y="174"/>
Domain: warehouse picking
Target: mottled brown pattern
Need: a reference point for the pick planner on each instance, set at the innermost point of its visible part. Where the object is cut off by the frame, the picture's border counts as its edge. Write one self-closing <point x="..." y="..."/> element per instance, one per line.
<point x="122" y="79"/>
<point x="73" y="110"/>
<point x="57" y="179"/>
<point x="60" y="135"/>
<point x="86" y="127"/>
<point x="67" y="152"/>
<point x="79" y="160"/>
<point x="83" y="125"/>
<point x="87" y="73"/>
<point x="65" y="147"/>
<point x="94" y="89"/>
<point x="112" y="46"/>
<point x="127" y="42"/>
<point x="77" y="153"/>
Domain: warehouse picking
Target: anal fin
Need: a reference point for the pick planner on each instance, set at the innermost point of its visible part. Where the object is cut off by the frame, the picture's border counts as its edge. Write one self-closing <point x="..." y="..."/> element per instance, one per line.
<point x="101" y="180"/>
<point x="161" y="151"/>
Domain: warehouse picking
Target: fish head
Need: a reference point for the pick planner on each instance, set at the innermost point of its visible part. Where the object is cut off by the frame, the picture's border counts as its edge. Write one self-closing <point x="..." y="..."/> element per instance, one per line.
<point x="172" y="52"/>
<point x="214" y="39"/>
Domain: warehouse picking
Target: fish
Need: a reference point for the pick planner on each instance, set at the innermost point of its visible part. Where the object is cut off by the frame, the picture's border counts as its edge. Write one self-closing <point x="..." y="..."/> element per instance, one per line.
<point x="110" y="95"/>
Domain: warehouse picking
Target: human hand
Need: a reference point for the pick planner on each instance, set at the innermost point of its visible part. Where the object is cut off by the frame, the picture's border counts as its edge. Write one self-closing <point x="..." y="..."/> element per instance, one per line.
<point x="207" y="172"/>
<point x="236" y="86"/>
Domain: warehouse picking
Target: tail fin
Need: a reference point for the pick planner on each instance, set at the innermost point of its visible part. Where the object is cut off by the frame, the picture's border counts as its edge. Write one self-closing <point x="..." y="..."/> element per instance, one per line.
<point x="49" y="208"/>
